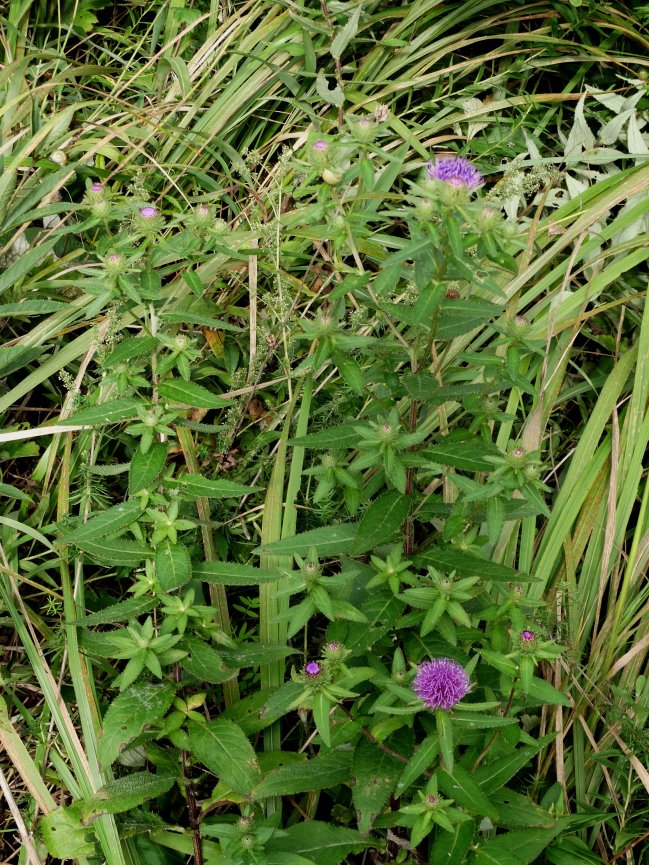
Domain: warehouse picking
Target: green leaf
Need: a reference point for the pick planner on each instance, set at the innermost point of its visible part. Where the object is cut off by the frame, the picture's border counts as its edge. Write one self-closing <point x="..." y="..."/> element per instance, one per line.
<point x="128" y="349"/>
<point x="117" y="551"/>
<point x="422" y="758"/>
<point x="338" y="437"/>
<point x="12" y="492"/>
<point x="460" y="316"/>
<point x="124" y="794"/>
<point x="173" y="567"/>
<point x="460" y="786"/>
<point x="145" y="468"/>
<point x="376" y="772"/>
<point x="131" y="608"/>
<point x="112" y="411"/>
<point x="197" y="485"/>
<point x="466" y="456"/>
<point x="494" y="775"/>
<point x="190" y="393"/>
<point x="252" y="654"/>
<point x="205" y="663"/>
<point x="262" y="708"/>
<point x="106" y="523"/>
<point x="224" y="748"/>
<point x="381" y="521"/>
<point x="345" y="34"/>
<point x="477" y="721"/>
<point x="141" y="705"/>
<point x="318" y="773"/>
<point x="15" y="357"/>
<point x="539" y="692"/>
<point x="334" y="95"/>
<point x="64" y="835"/>
<point x="233" y="574"/>
<point x="450" y="848"/>
<point x="201" y="320"/>
<point x="523" y="845"/>
<point x="319" y="842"/>
<point x="13" y="274"/>
<point x="450" y="559"/>
<point x="321" y="708"/>
<point x="328" y="541"/>
<point x="516" y="811"/>
<point x="31" y="307"/>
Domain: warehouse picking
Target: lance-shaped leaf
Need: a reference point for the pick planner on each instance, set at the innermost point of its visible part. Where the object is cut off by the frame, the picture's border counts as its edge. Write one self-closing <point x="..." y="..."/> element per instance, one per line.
<point x="224" y="748"/>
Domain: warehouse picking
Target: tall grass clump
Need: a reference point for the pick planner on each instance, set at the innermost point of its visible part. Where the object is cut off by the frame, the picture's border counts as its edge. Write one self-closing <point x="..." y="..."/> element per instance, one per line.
<point x="324" y="399"/>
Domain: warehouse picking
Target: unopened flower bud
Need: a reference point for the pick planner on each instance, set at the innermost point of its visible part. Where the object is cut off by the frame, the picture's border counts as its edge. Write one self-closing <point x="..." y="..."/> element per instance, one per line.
<point x="332" y="176"/>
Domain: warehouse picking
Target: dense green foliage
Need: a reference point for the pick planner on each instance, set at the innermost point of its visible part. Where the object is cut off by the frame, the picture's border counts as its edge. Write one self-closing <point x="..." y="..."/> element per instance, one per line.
<point x="286" y="416"/>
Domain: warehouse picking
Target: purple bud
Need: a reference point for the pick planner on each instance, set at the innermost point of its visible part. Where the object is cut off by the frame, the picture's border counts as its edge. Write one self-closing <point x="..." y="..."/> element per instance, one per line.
<point x="320" y="145"/>
<point x="148" y="212"/>
<point x="203" y="211"/>
<point x="432" y="800"/>
<point x="333" y="647"/>
<point x="115" y="258"/>
<point x="312" y="668"/>
<point x="97" y="187"/>
<point x="528" y="636"/>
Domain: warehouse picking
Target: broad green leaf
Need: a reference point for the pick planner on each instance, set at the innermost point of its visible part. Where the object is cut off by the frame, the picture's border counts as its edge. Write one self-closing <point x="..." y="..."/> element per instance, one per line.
<point x="12" y="275"/>
<point x="205" y="663"/>
<point x="492" y="776"/>
<point x="190" y="393"/>
<point x="318" y="773"/>
<point x="15" y="357"/>
<point x="112" y="411"/>
<point x="124" y="794"/>
<point x="319" y="842"/>
<point x="540" y="692"/>
<point x="450" y="559"/>
<point x="131" y="608"/>
<point x="64" y="835"/>
<point x="252" y="654"/>
<point x="128" y="349"/>
<point x="338" y="437"/>
<point x="233" y="574"/>
<point x="117" y="551"/>
<point x="450" y="848"/>
<point x="460" y="316"/>
<point x="145" y="468"/>
<point x="476" y="721"/>
<point x="346" y="33"/>
<point x="460" y="786"/>
<point x="381" y="520"/>
<point x="524" y="845"/>
<point x="173" y="567"/>
<point x="263" y="707"/>
<point x="517" y="811"/>
<point x="139" y="706"/>
<point x="31" y="307"/>
<point x="328" y="541"/>
<point x="466" y="456"/>
<point x="376" y="772"/>
<point x="201" y="320"/>
<point x="422" y="758"/>
<point x="197" y="485"/>
<point x="224" y="748"/>
<point x="106" y="523"/>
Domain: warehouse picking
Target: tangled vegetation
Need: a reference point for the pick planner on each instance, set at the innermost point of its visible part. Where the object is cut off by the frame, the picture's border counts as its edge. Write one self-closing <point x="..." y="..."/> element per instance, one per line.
<point x="324" y="528"/>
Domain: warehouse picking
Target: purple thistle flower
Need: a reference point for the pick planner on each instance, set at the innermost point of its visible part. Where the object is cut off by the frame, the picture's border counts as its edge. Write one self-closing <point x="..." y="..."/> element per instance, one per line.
<point x="528" y="636"/>
<point x="441" y="683"/>
<point x="97" y="187"/>
<point x="320" y="145"/>
<point x="456" y="171"/>
<point x="333" y="646"/>
<point x="148" y="212"/>
<point x="312" y="668"/>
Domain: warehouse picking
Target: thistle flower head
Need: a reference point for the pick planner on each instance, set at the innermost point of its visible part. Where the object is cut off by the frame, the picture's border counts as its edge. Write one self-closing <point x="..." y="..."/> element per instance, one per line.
<point x="528" y="636"/>
<point x="312" y="668"/>
<point x="97" y="187"/>
<point x="441" y="683"/>
<point x="148" y="212"/>
<point x="456" y="171"/>
<point x="320" y="145"/>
